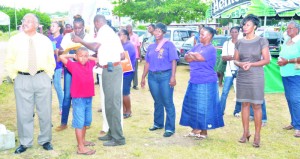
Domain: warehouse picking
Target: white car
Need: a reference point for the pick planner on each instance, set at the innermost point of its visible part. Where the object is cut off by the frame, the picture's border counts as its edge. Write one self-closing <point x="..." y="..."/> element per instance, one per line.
<point x="141" y="34"/>
<point x="178" y="35"/>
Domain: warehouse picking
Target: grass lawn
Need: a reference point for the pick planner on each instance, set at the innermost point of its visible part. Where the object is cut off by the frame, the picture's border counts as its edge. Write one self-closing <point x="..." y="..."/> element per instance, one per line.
<point x="141" y="143"/>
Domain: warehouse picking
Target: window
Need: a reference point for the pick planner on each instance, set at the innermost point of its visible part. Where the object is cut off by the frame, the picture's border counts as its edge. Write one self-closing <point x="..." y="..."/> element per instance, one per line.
<point x="168" y="34"/>
<point x="180" y="35"/>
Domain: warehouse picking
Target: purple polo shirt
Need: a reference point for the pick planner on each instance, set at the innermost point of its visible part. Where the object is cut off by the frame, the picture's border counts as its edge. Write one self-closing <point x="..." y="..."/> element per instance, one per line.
<point x="203" y="72"/>
<point x="128" y="46"/>
<point x="57" y="42"/>
<point x="161" y="60"/>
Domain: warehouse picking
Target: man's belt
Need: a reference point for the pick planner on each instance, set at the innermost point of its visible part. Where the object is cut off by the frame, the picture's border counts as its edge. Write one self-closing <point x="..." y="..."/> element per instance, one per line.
<point x="26" y="73"/>
<point x="105" y="66"/>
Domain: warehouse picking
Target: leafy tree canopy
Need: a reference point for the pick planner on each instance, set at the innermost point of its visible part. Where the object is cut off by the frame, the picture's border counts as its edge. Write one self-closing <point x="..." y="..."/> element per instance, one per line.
<point x="43" y="17"/>
<point x="165" y="11"/>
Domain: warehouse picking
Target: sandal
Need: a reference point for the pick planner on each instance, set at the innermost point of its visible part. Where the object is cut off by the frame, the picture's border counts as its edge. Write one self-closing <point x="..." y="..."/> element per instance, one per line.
<point x="297" y="133"/>
<point x="200" y="137"/>
<point x="126" y="116"/>
<point x="90" y="152"/>
<point x="88" y="143"/>
<point x="191" y="134"/>
<point x="289" y="127"/>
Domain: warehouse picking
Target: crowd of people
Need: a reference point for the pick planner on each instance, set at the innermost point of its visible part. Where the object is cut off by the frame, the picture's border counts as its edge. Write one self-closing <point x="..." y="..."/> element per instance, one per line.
<point x="45" y="60"/>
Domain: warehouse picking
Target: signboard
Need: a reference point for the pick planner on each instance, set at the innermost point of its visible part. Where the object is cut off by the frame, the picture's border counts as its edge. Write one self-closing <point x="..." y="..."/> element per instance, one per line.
<point x="240" y="8"/>
<point x="221" y="6"/>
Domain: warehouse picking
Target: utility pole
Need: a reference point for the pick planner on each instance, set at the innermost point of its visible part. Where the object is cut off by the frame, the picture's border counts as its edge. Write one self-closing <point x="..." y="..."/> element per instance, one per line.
<point x="15" y="15"/>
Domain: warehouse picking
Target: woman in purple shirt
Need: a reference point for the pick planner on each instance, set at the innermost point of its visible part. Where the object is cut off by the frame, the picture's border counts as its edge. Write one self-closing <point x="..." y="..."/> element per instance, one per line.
<point x="201" y="110"/>
<point x="160" y="64"/>
<point x="128" y="76"/>
<point x="56" y="37"/>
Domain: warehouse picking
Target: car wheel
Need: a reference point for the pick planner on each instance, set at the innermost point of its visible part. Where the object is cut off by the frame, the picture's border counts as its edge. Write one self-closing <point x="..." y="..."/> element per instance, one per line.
<point x="145" y="44"/>
<point x="178" y="61"/>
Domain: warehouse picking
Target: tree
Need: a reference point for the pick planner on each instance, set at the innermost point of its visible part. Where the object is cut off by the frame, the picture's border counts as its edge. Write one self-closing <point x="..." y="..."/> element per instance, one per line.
<point x="43" y="17"/>
<point x="165" y="11"/>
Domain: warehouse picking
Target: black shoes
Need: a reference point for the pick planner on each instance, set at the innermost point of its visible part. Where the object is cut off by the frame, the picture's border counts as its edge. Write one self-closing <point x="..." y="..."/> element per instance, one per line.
<point x="20" y="149"/>
<point x="154" y="128"/>
<point x="135" y="87"/>
<point x="105" y="138"/>
<point x="47" y="146"/>
<point x="168" y="134"/>
<point x="113" y="143"/>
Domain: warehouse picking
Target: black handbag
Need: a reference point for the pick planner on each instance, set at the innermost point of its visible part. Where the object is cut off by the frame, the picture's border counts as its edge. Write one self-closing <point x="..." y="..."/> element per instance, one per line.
<point x="234" y="73"/>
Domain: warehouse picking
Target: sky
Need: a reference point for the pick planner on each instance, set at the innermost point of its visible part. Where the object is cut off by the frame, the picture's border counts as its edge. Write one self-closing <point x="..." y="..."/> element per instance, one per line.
<point x="86" y="8"/>
<point x="47" y="6"/>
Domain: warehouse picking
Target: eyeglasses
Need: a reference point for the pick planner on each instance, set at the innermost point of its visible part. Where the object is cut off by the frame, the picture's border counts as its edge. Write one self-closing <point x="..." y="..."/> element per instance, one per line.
<point x="290" y="28"/>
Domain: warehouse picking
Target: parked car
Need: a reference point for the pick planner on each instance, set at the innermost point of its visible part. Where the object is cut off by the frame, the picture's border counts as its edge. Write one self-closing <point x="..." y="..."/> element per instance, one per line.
<point x="275" y="39"/>
<point x="141" y="34"/>
<point x="178" y="35"/>
<point x="217" y="41"/>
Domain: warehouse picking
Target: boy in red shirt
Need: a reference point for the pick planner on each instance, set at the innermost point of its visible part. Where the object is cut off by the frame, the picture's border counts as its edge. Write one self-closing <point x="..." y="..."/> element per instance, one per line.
<point x="82" y="91"/>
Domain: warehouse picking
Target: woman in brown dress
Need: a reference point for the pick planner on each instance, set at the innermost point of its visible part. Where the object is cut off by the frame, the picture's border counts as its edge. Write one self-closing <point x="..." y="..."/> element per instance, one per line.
<point x="251" y="54"/>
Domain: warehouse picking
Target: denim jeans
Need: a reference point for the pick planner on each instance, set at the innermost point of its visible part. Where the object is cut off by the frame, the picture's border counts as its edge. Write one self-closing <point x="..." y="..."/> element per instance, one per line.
<point x="57" y="86"/>
<point x="291" y="86"/>
<point x="82" y="112"/>
<point x="162" y="94"/>
<point x="226" y="88"/>
<point x="67" y="97"/>
<point x="238" y="106"/>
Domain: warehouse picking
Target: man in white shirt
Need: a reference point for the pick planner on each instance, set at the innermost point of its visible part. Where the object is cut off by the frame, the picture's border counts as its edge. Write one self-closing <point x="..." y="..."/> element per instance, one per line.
<point x="231" y="68"/>
<point x="109" y="48"/>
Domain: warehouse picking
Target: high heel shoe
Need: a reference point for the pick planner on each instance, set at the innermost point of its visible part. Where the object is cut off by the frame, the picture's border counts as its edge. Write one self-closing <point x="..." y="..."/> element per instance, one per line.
<point x="256" y="143"/>
<point x="244" y="139"/>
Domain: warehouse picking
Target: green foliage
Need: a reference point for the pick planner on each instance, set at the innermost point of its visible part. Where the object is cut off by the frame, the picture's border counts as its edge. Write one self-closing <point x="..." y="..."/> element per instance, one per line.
<point x="59" y="14"/>
<point x="219" y="31"/>
<point x="5" y="36"/>
<point x="44" y="18"/>
<point x="165" y="11"/>
<point x="141" y="27"/>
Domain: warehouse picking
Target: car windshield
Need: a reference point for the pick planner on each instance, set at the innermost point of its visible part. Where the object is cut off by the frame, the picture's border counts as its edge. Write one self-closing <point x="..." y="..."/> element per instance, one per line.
<point x="138" y="32"/>
<point x="168" y="34"/>
<point x="219" y="41"/>
<point x="189" y="42"/>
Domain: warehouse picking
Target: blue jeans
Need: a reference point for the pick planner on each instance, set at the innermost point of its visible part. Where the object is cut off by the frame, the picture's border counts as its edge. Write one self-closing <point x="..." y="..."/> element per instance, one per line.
<point x="162" y="94"/>
<point x="82" y="112"/>
<point x="226" y="88"/>
<point x="291" y="86"/>
<point x="67" y="97"/>
<point x="57" y="86"/>
<point x="238" y="106"/>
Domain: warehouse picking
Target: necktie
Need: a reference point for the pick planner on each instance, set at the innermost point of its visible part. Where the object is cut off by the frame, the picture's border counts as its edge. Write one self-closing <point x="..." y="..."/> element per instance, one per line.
<point x="32" y="68"/>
